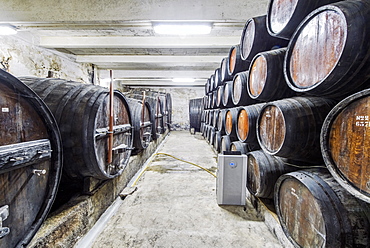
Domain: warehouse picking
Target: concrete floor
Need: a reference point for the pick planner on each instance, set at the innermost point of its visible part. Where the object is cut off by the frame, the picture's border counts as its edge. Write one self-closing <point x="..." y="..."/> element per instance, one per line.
<point x="175" y="206"/>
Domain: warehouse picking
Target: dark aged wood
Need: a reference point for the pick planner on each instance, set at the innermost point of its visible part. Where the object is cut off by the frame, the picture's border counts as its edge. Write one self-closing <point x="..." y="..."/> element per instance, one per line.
<point x="217" y="77"/>
<point x="247" y="122"/>
<point x="315" y="211"/>
<point x="217" y="143"/>
<point x="263" y="170"/>
<point x="220" y="123"/>
<point x="243" y="148"/>
<point x="345" y="144"/>
<point x="227" y="100"/>
<point x="236" y="64"/>
<point x="291" y="127"/>
<point x="266" y="80"/>
<point x="225" y="143"/>
<point x="225" y="74"/>
<point x="255" y="38"/>
<point x="324" y="58"/>
<point x="231" y="122"/>
<point x="30" y="160"/>
<point x="195" y="113"/>
<point x="219" y="93"/>
<point x="284" y="16"/>
<point x="82" y="113"/>
<point x="142" y="128"/>
<point x="240" y="95"/>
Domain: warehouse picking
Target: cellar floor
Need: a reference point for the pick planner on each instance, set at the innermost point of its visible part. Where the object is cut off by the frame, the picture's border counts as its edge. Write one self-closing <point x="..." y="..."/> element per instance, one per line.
<point x="173" y="204"/>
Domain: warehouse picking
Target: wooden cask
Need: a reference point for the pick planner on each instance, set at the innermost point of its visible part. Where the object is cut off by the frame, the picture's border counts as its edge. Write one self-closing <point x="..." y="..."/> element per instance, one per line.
<point x="236" y="63"/>
<point x="219" y="93"/>
<point x="345" y="144"/>
<point x="329" y="55"/>
<point x="156" y="106"/>
<point x="247" y="123"/>
<point x="224" y="71"/>
<point x="82" y="114"/>
<point x="217" y="142"/>
<point x="239" y="94"/>
<point x="266" y="80"/>
<point x="227" y="100"/>
<point x="195" y="113"/>
<point x="263" y="170"/>
<point x="255" y="38"/>
<point x="30" y="161"/>
<point x="231" y="119"/>
<point x="243" y="148"/>
<point x="284" y="16"/>
<point x="315" y="211"/>
<point x="217" y="78"/>
<point x="221" y="121"/>
<point x="291" y="127"/>
<point x="225" y="143"/>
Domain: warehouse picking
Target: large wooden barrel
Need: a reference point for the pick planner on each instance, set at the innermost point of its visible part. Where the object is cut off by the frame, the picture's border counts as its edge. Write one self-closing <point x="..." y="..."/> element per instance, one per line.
<point x="168" y="111"/>
<point x="247" y="123"/>
<point x="82" y="113"/>
<point x="284" y="16"/>
<point x="219" y="93"/>
<point x="221" y="121"/>
<point x="142" y="122"/>
<point x="345" y="144"/>
<point x="224" y="73"/>
<point x="236" y="63"/>
<point x="315" y="211"/>
<point x="231" y="119"/>
<point x="291" y="127"/>
<point x="227" y="100"/>
<point x="266" y="80"/>
<point x="329" y="55"/>
<point x="195" y="113"/>
<point x="217" y="142"/>
<point x="241" y="147"/>
<point x="239" y="94"/>
<point x="30" y="161"/>
<point x="255" y="38"/>
<point x="225" y="143"/>
<point x="157" y="108"/>
<point x="263" y="170"/>
<point x="217" y="78"/>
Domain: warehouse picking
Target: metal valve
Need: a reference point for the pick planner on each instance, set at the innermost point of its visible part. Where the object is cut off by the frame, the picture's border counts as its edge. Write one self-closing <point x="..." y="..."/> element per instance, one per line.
<point x="39" y="172"/>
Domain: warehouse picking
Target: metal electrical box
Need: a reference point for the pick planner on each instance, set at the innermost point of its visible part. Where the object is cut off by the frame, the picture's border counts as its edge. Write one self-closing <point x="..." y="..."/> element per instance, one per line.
<point x="231" y="179"/>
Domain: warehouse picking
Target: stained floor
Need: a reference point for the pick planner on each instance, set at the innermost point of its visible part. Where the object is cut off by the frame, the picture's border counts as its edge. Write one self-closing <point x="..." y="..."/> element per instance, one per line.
<point x="174" y="205"/>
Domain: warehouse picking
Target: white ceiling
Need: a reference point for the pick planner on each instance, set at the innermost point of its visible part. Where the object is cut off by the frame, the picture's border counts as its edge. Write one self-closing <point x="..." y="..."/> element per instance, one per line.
<point x="118" y="35"/>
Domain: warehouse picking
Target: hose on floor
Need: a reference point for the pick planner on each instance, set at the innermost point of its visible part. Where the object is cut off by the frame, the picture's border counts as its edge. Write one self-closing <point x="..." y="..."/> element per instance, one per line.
<point x="169" y="155"/>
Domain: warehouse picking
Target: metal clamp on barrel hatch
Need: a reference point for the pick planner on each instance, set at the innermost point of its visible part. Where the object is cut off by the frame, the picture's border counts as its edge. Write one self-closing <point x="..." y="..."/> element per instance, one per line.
<point x="4" y="213"/>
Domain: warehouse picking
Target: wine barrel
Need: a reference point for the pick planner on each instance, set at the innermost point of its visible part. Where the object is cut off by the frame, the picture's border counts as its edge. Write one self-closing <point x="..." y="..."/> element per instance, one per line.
<point x="284" y="16"/>
<point x="345" y="142"/>
<point x="142" y="122"/>
<point x="225" y="143"/>
<point x="266" y="80"/>
<point x="291" y="127"/>
<point x="219" y="93"/>
<point x="221" y="121"/>
<point x="255" y="38"/>
<point x="216" y="113"/>
<point x="324" y="58"/>
<point x="243" y="148"/>
<point x="247" y="122"/>
<point x="239" y="94"/>
<point x="217" y="77"/>
<point x="231" y="119"/>
<point x="227" y="100"/>
<point x="156" y="107"/>
<point x="30" y="161"/>
<point x="236" y="64"/>
<point x="263" y="170"/>
<point x="315" y="211"/>
<point x="217" y="142"/>
<point x="195" y="113"/>
<point x="224" y="70"/>
<point x="82" y="113"/>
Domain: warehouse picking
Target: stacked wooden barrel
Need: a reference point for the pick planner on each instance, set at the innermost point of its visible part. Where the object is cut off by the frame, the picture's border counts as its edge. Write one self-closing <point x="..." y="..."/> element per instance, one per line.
<point x="299" y="83"/>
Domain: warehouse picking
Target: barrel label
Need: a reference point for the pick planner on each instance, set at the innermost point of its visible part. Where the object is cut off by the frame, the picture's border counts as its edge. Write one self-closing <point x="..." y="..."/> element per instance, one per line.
<point x="5" y="110"/>
<point x="362" y="121"/>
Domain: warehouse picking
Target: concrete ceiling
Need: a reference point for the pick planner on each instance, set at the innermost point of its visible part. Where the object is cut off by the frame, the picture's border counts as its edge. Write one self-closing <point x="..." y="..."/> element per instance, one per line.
<point x="118" y="35"/>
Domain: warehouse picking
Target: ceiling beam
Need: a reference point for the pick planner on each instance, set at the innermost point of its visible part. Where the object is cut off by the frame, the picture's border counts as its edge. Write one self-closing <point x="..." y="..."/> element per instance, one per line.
<point x="96" y="59"/>
<point x="138" y="42"/>
<point x="132" y="74"/>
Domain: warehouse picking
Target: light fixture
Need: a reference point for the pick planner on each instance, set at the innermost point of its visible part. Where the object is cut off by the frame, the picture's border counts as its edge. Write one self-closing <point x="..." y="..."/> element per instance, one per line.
<point x="182" y="28"/>
<point x="183" y="80"/>
<point x="7" y="30"/>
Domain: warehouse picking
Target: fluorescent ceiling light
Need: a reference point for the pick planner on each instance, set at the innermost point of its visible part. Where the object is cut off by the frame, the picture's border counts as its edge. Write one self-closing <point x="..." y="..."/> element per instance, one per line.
<point x="7" y="30"/>
<point x="182" y="28"/>
<point x="183" y="80"/>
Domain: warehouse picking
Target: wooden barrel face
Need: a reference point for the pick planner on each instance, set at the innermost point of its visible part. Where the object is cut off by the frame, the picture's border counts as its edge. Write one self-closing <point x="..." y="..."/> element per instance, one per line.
<point x="319" y="38"/>
<point x="280" y="13"/>
<point x="243" y="124"/>
<point x="253" y="172"/>
<point x="229" y="122"/>
<point x="345" y="144"/>
<point x="257" y="76"/>
<point x="232" y="59"/>
<point x="237" y="89"/>
<point x="298" y="203"/>
<point x="248" y="39"/>
<point x="271" y="128"/>
<point x="30" y="161"/>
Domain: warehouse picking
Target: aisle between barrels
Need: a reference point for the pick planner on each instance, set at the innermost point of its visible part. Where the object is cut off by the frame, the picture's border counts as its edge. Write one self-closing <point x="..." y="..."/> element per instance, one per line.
<point x="174" y="205"/>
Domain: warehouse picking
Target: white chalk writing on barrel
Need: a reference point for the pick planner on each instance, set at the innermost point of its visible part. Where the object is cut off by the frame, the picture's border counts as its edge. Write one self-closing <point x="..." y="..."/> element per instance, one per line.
<point x="362" y="121"/>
